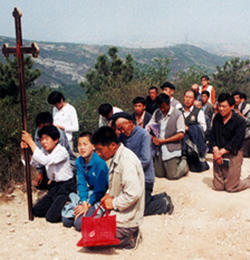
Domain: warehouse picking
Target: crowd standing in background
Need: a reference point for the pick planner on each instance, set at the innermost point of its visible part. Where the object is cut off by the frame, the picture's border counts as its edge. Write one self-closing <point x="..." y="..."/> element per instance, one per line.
<point x="163" y="137"/>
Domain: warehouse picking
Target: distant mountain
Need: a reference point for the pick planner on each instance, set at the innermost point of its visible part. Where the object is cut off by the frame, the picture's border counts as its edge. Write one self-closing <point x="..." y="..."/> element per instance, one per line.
<point x="65" y="64"/>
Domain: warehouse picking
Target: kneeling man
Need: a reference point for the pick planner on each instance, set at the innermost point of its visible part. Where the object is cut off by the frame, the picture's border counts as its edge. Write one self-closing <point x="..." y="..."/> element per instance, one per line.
<point x="126" y="186"/>
<point x="227" y="138"/>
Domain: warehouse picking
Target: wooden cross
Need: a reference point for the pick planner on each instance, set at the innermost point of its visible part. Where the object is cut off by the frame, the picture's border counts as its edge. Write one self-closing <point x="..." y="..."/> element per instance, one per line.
<point x="19" y="50"/>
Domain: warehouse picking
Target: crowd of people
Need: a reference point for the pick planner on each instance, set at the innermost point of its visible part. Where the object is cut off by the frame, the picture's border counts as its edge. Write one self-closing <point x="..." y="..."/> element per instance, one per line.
<point x="117" y="164"/>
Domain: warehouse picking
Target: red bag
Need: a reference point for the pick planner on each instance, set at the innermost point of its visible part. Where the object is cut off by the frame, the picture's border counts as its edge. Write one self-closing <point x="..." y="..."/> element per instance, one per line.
<point x="98" y="231"/>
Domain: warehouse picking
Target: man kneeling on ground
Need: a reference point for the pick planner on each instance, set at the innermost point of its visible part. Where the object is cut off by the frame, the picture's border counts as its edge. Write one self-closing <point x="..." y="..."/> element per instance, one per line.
<point x="139" y="141"/>
<point x="227" y="138"/>
<point x="126" y="186"/>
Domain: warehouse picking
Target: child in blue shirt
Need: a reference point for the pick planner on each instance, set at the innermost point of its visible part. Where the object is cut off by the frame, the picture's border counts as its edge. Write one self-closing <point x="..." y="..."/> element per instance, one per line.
<point x="92" y="181"/>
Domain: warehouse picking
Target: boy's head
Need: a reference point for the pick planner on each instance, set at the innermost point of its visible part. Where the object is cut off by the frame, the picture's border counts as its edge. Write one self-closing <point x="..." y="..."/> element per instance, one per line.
<point x="85" y="147"/>
<point x="49" y="137"/>
<point x="106" y="110"/>
<point x="105" y="141"/>
<point x="43" y="119"/>
<point x="163" y="102"/>
<point x="204" y="80"/>
<point x="205" y="96"/>
<point x="56" y="98"/>
<point x="139" y="105"/>
<point x="237" y="97"/>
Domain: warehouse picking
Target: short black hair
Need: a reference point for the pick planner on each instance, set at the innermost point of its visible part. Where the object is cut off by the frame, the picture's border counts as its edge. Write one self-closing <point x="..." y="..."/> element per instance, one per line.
<point x="153" y="87"/>
<point x="51" y="131"/>
<point x="205" y="77"/>
<point x="104" y="136"/>
<point x="167" y="85"/>
<point x="205" y="92"/>
<point x="226" y="97"/>
<point x="139" y="100"/>
<point x="237" y="92"/>
<point x="44" y="118"/>
<point x="86" y="133"/>
<point x="243" y="95"/>
<point x="162" y="98"/>
<point x="105" y="109"/>
<point x="55" y="97"/>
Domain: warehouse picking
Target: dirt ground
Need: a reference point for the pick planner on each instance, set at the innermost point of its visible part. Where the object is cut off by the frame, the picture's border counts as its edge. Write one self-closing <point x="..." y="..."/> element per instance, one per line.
<point x="206" y="224"/>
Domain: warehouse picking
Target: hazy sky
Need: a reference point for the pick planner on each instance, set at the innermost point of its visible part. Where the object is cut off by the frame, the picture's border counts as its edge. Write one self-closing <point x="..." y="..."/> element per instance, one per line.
<point x="130" y="23"/>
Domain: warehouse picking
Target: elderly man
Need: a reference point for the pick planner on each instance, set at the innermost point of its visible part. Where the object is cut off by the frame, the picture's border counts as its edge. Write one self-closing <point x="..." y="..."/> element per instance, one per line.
<point x="194" y="146"/>
<point x="227" y="138"/>
<point x="126" y="186"/>
<point x="139" y="141"/>
<point x="195" y="88"/>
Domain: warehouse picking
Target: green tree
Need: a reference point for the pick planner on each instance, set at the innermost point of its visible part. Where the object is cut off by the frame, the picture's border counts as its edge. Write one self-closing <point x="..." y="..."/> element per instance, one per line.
<point x="183" y="80"/>
<point x="155" y="73"/>
<point x="9" y="81"/>
<point x="10" y="114"/>
<point x="110" y="70"/>
<point x="234" y="74"/>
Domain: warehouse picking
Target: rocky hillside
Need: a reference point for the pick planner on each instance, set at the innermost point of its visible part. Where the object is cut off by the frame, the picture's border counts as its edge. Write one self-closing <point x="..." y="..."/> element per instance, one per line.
<point x="65" y="64"/>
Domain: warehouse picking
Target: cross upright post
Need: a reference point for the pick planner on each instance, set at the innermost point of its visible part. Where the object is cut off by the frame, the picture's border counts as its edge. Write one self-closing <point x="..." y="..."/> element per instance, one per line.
<point x="19" y="51"/>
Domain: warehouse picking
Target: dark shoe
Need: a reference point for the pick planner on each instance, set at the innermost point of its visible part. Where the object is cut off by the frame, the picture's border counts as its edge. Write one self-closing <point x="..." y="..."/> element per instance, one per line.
<point x="170" y="208"/>
<point x="137" y="240"/>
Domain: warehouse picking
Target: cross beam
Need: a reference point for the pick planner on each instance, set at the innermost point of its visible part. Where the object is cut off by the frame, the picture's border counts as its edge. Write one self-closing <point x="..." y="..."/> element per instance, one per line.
<point x="19" y="51"/>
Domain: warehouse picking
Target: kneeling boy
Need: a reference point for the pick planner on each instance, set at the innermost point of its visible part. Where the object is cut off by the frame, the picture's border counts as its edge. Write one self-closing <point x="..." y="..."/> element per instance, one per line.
<point x="92" y="181"/>
<point x="55" y="159"/>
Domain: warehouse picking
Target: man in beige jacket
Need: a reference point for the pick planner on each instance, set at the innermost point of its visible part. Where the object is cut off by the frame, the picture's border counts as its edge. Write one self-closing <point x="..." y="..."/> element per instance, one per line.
<point x="126" y="186"/>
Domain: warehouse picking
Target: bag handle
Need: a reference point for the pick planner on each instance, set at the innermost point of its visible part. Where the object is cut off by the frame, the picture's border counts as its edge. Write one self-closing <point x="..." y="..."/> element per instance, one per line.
<point x="101" y="204"/>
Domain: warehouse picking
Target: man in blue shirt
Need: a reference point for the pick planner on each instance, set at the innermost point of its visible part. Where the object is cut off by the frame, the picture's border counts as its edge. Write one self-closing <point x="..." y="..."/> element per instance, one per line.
<point x="139" y="141"/>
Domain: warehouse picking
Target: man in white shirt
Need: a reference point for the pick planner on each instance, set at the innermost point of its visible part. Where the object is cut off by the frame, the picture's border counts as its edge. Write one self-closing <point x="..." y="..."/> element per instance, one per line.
<point x="194" y="146"/>
<point x="106" y="111"/>
<point x="192" y="114"/>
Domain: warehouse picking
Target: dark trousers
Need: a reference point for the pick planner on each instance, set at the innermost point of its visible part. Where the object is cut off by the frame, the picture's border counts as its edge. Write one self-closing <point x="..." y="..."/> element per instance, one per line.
<point x="156" y="204"/>
<point x="50" y="206"/>
<point x="77" y="223"/>
<point x="127" y="236"/>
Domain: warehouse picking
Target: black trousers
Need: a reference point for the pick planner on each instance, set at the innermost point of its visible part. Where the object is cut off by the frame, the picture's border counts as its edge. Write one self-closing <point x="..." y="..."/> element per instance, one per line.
<point x="50" y="206"/>
<point x="156" y="204"/>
